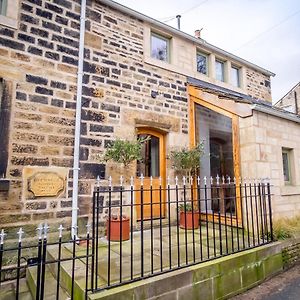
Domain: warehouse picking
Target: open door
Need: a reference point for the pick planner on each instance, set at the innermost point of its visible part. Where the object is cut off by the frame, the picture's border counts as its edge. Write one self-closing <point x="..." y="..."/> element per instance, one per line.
<point x="152" y="164"/>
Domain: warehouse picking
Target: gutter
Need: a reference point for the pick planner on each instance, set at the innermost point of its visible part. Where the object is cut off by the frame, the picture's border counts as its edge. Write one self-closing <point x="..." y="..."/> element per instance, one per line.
<point x="276" y="113"/>
<point x="184" y="35"/>
<point x="78" y="121"/>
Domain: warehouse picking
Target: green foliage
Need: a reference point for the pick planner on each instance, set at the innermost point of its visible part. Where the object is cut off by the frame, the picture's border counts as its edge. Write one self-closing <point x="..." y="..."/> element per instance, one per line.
<point x="124" y="151"/>
<point x="187" y="160"/>
<point x="187" y="207"/>
<point x="285" y="228"/>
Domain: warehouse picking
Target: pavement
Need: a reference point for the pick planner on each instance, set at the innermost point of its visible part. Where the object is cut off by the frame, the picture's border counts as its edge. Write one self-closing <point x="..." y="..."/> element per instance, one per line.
<point x="285" y="285"/>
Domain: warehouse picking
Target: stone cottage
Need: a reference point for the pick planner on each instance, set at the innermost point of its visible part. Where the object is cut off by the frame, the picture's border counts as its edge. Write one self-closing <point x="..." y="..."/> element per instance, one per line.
<point x="74" y="78"/>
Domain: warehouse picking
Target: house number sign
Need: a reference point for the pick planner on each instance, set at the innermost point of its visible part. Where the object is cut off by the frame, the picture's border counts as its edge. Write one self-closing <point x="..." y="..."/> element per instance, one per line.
<point x="46" y="184"/>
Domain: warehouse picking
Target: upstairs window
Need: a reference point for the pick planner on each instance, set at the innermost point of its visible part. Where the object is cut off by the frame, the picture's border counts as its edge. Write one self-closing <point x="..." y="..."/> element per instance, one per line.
<point x="160" y="47"/>
<point x="235" y="76"/>
<point x="220" y="70"/>
<point x="3" y="7"/>
<point x="202" y="63"/>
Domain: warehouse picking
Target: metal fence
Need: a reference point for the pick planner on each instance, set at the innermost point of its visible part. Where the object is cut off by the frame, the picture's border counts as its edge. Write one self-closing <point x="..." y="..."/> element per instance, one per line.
<point x="150" y="231"/>
<point x="34" y="270"/>
<point x="138" y="231"/>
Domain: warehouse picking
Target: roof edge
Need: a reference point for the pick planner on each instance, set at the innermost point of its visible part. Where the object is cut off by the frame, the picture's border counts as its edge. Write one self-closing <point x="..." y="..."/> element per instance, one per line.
<point x="173" y="30"/>
<point x="276" y="113"/>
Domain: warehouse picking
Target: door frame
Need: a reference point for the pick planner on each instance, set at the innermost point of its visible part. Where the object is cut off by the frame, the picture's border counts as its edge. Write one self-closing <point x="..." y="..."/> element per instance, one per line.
<point x="194" y="99"/>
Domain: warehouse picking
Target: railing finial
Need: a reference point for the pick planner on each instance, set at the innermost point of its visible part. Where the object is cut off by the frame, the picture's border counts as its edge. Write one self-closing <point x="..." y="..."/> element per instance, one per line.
<point x="60" y="230"/>
<point x="109" y="181"/>
<point x="40" y="231"/>
<point x="142" y="179"/>
<point x="183" y="180"/>
<point x="2" y="236"/>
<point x="176" y="180"/>
<point x="121" y="180"/>
<point x="198" y="180"/>
<point x="98" y="181"/>
<point x="131" y="181"/>
<point x="88" y="228"/>
<point x="218" y="179"/>
<point x="20" y="234"/>
<point x="205" y="180"/>
<point x="46" y="228"/>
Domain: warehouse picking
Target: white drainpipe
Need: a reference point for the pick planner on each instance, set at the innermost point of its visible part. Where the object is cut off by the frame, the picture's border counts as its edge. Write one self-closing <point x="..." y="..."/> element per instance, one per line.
<point x="78" y="120"/>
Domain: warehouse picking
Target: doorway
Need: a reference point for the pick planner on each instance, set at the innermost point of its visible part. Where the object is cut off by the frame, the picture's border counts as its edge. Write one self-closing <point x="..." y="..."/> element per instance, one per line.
<point x="150" y="202"/>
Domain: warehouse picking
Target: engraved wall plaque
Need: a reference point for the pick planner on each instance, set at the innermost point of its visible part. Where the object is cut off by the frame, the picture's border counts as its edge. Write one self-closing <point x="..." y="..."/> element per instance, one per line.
<point x="46" y="184"/>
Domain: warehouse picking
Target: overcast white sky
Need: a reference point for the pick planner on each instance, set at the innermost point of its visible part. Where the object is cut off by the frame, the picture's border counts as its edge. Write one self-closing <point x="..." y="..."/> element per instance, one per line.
<point x="265" y="32"/>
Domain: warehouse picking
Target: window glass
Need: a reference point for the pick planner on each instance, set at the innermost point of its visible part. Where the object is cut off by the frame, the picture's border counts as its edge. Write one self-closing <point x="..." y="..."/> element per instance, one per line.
<point x="3" y="6"/>
<point x="235" y="76"/>
<point x="159" y="47"/>
<point x="219" y="70"/>
<point x="286" y="166"/>
<point x="149" y="163"/>
<point x="202" y="63"/>
<point x="215" y="130"/>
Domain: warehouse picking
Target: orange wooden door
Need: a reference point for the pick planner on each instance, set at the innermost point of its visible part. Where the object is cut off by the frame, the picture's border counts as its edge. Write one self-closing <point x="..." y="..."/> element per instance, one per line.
<point x="150" y="200"/>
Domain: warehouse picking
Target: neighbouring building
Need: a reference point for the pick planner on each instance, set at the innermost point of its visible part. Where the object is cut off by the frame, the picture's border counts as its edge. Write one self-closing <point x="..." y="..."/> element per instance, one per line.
<point x="291" y="100"/>
<point x="140" y="77"/>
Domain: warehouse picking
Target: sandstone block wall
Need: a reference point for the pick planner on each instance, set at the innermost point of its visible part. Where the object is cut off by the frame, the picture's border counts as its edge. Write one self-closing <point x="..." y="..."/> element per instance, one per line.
<point x="38" y="64"/>
<point x="262" y="138"/>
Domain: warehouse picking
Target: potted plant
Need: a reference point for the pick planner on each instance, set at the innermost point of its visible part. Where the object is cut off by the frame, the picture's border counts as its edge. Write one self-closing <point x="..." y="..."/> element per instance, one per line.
<point x="187" y="162"/>
<point x="117" y="228"/>
<point x="189" y="216"/>
<point x="122" y="152"/>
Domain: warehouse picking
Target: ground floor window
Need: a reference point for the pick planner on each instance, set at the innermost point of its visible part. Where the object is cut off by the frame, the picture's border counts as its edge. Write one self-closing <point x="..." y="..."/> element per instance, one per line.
<point x="216" y="132"/>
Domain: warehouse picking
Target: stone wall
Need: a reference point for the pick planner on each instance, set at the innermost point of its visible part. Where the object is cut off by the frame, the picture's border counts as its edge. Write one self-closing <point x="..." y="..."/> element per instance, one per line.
<point x="39" y="62"/>
<point x="291" y="101"/>
<point x="258" y="85"/>
<point x="262" y="138"/>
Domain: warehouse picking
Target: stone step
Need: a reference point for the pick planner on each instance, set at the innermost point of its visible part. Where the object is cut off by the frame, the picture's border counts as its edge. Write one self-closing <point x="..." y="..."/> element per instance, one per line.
<point x="50" y="285"/>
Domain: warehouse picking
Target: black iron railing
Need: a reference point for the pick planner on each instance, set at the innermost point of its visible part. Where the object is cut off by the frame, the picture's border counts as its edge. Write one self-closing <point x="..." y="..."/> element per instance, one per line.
<point x="174" y="226"/>
<point x="45" y="269"/>
<point x="138" y="231"/>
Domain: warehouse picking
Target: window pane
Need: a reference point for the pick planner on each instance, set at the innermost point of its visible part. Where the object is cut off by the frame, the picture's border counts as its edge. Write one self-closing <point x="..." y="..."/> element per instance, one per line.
<point x="202" y="63"/>
<point x="159" y="48"/>
<point x="3" y="4"/>
<point x="149" y="164"/>
<point x="219" y="70"/>
<point x="235" y="80"/>
<point x="215" y="130"/>
<point x="285" y="163"/>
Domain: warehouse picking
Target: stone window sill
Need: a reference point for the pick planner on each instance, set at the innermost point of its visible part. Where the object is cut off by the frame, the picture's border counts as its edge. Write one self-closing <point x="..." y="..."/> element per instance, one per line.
<point x="9" y="22"/>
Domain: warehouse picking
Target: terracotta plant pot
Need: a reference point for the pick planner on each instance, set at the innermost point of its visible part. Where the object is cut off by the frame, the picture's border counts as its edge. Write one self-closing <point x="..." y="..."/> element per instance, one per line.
<point x="114" y="225"/>
<point x="189" y="215"/>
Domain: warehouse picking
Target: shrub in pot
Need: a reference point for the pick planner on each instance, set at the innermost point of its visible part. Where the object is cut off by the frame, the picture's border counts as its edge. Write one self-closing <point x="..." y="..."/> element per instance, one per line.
<point x="187" y="162"/>
<point x="188" y="216"/>
<point x="123" y="153"/>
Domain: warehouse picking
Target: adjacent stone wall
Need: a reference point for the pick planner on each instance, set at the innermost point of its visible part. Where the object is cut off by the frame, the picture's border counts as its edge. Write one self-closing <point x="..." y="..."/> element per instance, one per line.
<point x="258" y="85"/>
<point x="262" y="138"/>
<point x="291" y="101"/>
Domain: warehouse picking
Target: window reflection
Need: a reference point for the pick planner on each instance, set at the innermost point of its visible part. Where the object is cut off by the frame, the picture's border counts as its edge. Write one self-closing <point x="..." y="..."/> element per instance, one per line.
<point x="149" y="163"/>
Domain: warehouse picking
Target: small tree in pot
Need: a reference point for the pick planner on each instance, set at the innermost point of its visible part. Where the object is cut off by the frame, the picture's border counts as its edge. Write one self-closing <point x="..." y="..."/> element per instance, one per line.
<point x="187" y="162"/>
<point x="122" y="152"/>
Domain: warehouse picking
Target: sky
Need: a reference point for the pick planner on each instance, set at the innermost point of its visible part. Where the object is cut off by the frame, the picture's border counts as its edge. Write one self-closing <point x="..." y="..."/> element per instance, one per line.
<point x="264" y="32"/>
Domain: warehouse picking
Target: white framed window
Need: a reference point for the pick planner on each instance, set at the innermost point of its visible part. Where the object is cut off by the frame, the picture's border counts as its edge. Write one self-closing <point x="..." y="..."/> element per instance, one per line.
<point x="160" y="47"/>
<point x="202" y="63"/>
<point x="286" y="165"/>
<point x="219" y="65"/>
<point x="235" y="76"/>
<point x="3" y="7"/>
<point x="9" y="10"/>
